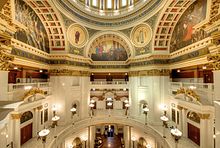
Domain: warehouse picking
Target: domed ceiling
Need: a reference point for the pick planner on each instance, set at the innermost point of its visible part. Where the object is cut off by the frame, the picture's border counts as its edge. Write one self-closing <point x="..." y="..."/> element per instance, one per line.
<point x="108" y="14"/>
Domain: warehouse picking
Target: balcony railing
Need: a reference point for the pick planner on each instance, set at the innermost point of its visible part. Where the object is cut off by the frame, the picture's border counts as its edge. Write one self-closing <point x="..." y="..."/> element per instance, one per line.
<point x="17" y="91"/>
<point x="108" y="82"/>
<point x="204" y="90"/>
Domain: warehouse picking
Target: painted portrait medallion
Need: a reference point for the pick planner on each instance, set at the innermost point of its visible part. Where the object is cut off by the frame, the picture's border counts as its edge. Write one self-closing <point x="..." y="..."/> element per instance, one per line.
<point x="141" y="35"/>
<point x="77" y="35"/>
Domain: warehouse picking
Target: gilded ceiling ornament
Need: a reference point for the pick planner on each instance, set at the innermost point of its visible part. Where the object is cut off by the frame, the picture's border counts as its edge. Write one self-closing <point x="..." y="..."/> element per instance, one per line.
<point x="32" y="92"/>
<point x="189" y="92"/>
<point x="215" y="61"/>
<point x="5" y="60"/>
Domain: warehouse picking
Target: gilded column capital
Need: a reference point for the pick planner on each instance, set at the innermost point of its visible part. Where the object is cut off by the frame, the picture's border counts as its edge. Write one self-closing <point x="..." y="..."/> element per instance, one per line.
<point x="40" y="107"/>
<point x="204" y="116"/>
<point x="181" y="108"/>
<point x="215" y="61"/>
<point x="5" y="60"/>
<point x="16" y="116"/>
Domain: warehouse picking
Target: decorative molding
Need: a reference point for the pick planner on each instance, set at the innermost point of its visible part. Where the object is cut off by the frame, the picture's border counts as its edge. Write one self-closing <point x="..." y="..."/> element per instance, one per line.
<point x="215" y="61"/>
<point x="32" y="92"/>
<point x="16" y="116"/>
<point x="40" y="107"/>
<point x="67" y="72"/>
<point x="152" y="72"/>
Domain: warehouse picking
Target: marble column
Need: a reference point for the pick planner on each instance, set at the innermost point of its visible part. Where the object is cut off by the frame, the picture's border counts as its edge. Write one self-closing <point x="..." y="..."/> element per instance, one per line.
<point x="204" y="140"/>
<point x="35" y="122"/>
<point x="17" y="130"/>
<point x="4" y="85"/>
<point x="127" y="136"/>
<point x="91" y="136"/>
<point x="216" y="77"/>
<point x="184" y="122"/>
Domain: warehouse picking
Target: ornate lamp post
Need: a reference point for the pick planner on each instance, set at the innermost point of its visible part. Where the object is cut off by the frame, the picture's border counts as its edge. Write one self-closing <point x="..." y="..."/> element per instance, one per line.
<point x="109" y="104"/>
<point x="91" y="105"/>
<point x="164" y="108"/>
<point x="177" y="134"/>
<point x="43" y="135"/>
<point x="55" y="120"/>
<point x="148" y="146"/>
<point x="73" y="110"/>
<point x="133" y="139"/>
<point x="146" y="110"/>
<point x="164" y="119"/>
<point x="126" y="109"/>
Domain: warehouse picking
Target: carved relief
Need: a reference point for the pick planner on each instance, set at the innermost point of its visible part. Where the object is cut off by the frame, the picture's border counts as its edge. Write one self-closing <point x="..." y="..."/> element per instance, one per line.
<point x="189" y="92"/>
<point x="32" y="92"/>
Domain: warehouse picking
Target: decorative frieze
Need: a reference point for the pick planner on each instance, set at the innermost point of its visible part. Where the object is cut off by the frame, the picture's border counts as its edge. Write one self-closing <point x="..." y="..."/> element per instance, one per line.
<point x="215" y="61"/>
<point x="152" y="72"/>
<point x="67" y="72"/>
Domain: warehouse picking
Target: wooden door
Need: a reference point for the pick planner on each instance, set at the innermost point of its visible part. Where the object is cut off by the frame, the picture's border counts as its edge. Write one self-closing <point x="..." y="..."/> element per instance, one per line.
<point x="194" y="133"/>
<point x="26" y="133"/>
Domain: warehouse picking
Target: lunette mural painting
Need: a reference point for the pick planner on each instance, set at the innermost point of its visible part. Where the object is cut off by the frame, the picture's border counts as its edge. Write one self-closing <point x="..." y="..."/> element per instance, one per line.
<point x="109" y="51"/>
<point x="34" y="33"/>
<point x="184" y="33"/>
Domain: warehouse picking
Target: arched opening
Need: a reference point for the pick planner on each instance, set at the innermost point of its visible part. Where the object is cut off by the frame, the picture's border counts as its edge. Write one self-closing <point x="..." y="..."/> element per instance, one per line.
<point x="26" y="126"/>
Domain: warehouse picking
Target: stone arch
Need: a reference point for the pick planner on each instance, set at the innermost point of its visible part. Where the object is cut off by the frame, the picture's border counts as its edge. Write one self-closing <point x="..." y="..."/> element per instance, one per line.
<point x="141" y="143"/>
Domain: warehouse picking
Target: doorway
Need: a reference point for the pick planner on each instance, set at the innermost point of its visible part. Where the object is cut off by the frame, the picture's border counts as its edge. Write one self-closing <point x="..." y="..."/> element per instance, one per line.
<point x="26" y="133"/>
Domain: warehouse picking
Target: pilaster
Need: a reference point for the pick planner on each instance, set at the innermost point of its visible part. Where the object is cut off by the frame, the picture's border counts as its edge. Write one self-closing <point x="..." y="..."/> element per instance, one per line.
<point x="17" y="131"/>
<point x="4" y="85"/>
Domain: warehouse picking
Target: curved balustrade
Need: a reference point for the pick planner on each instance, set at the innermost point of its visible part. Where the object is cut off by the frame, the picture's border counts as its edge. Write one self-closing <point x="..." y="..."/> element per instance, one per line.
<point x="108" y="82"/>
<point x="68" y="130"/>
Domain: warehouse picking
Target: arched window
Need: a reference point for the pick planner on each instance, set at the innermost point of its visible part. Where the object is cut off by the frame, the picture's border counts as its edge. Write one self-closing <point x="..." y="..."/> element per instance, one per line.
<point x="26" y="116"/>
<point x="194" y="117"/>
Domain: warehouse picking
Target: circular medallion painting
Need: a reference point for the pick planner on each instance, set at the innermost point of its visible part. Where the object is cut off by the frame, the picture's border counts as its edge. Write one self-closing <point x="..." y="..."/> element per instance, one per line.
<point x="141" y="35"/>
<point x="77" y="35"/>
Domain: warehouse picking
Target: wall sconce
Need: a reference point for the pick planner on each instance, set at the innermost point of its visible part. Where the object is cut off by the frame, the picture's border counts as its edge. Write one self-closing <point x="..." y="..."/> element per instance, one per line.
<point x="145" y="111"/>
<point x="73" y="109"/>
<point x="164" y="119"/>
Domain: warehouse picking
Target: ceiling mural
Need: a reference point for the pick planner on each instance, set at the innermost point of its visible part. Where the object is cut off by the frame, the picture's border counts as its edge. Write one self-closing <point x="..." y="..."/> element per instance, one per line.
<point x="109" y="51"/>
<point x="31" y="31"/>
<point x="184" y="34"/>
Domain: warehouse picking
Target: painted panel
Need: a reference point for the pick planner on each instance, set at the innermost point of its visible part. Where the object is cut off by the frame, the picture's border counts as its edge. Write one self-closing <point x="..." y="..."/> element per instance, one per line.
<point x="109" y="51"/>
<point x="31" y="31"/>
<point x="184" y="33"/>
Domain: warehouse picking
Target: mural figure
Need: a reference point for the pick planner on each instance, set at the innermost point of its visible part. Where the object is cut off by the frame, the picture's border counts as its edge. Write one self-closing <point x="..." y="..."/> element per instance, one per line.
<point x="77" y="35"/>
<point x="184" y="34"/>
<point x="34" y="34"/>
<point x="141" y="36"/>
<point x="109" y="51"/>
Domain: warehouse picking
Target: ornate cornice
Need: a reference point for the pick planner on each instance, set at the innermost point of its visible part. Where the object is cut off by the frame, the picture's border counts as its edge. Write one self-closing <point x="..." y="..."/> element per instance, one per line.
<point x="215" y="61"/>
<point x="32" y="92"/>
<point x="40" y="107"/>
<point x="152" y="72"/>
<point x="67" y="72"/>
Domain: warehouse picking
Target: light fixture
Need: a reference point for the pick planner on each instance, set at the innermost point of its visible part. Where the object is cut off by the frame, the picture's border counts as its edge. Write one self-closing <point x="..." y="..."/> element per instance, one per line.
<point x="109" y="99"/>
<point x="109" y="103"/>
<point x="124" y="89"/>
<point x="92" y="101"/>
<point x="146" y="110"/>
<point x="164" y="108"/>
<point x="40" y="70"/>
<point x="133" y="139"/>
<point x="91" y="105"/>
<point x="27" y="87"/>
<point x="55" y="120"/>
<point x="43" y="135"/>
<point x="127" y="105"/>
<point x="148" y="146"/>
<point x="126" y="101"/>
<point x="192" y="87"/>
<point x="73" y="109"/>
<point x="15" y="68"/>
<point x="164" y="119"/>
<point x="54" y="109"/>
<point x="177" y="134"/>
<point x="178" y="70"/>
<point x="204" y="67"/>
